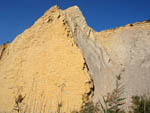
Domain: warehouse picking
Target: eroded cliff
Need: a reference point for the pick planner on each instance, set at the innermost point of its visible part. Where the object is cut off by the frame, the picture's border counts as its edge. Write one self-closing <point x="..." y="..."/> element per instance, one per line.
<point x="61" y="62"/>
<point x="44" y="69"/>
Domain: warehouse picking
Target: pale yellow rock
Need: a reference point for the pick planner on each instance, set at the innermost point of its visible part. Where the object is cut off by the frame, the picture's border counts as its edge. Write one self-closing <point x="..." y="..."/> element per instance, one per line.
<point x="44" y="66"/>
<point x="60" y="63"/>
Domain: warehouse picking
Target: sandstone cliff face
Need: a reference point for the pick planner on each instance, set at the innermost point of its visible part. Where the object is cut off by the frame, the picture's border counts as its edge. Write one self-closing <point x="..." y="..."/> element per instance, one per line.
<point x="44" y="68"/>
<point x="61" y="61"/>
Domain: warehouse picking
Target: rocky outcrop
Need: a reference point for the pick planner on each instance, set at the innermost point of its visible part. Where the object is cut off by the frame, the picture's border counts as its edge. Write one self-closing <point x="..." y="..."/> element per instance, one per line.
<point x="60" y="62"/>
<point x="121" y="51"/>
<point x="44" y="70"/>
<point x="128" y="55"/>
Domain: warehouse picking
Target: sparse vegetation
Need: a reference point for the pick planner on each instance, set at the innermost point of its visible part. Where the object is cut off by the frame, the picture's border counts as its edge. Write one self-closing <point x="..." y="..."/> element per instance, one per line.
<point x="18" y="101"/>
<point x="59" y="107"/>
<point x="147" y="20"/>
<point x="131" y="25"/>
<point x="113" y="101"/>
<point x="140" y="104"/>
<point x="90" y="108"/>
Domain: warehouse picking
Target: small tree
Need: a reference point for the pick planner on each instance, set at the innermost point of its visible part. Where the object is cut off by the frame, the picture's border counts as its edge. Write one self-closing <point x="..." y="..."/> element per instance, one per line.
<point x="113" y="101"/>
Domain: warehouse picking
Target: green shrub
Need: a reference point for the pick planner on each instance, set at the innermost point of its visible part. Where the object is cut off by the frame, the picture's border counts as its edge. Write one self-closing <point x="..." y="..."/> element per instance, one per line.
<point x="140" y="104"/>
<point x="113" y="101"/>
<point x="88" y="108"/>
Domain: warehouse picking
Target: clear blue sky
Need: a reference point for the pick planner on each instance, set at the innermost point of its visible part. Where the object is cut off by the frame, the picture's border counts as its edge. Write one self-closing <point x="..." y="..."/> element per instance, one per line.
<point x="17" y="15"/>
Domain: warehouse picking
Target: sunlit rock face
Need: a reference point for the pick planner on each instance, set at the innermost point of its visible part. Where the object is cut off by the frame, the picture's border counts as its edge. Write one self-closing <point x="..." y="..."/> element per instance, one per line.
<point x="60" y="63"/>
<point x="128" y="55"/>
<point x="123" y="51"/>
<point x="44" y="69"/>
